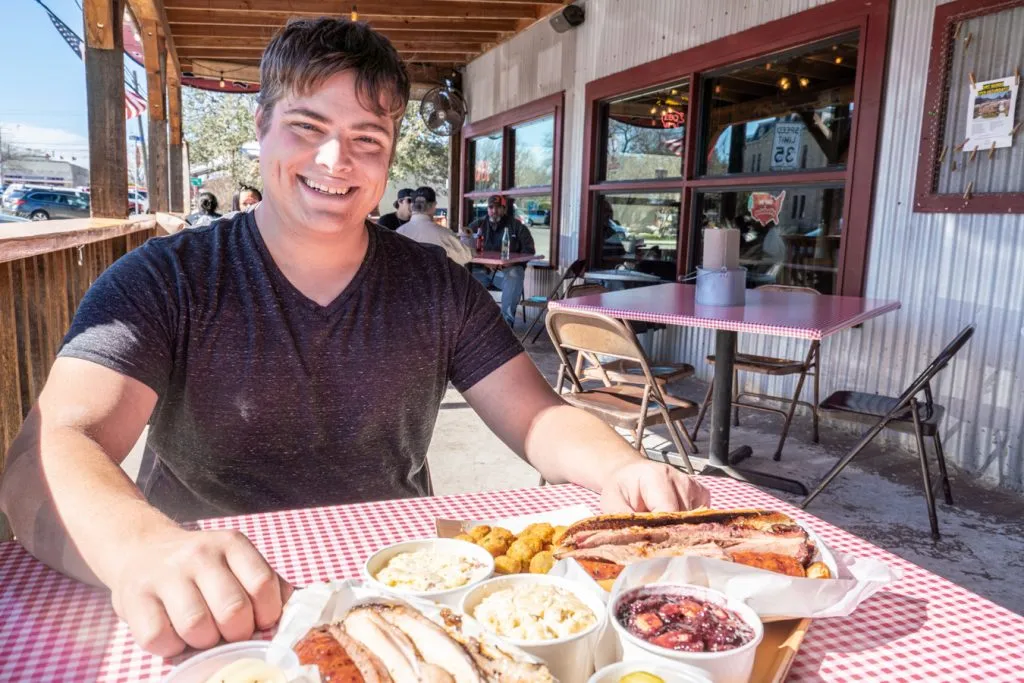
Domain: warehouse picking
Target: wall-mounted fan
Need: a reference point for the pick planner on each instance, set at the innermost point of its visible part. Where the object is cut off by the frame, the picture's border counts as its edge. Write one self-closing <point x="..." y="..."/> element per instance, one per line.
<point x="443" y="109"/>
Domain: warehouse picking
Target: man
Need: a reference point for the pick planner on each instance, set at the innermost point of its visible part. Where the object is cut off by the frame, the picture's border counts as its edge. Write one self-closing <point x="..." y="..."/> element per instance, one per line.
<point x="252" y="347"/>
<point x="400" y="216"/>
<point x="509" y="280"/>
<point x="422" y="228"/>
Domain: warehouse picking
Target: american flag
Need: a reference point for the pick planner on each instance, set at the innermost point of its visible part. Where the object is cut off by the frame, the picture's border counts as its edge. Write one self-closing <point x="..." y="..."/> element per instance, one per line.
<point x="134" y="102"/>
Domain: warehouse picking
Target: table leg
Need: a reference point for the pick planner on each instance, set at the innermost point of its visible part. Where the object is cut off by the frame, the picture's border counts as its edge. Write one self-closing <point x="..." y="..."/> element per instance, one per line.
<point x="720" y="460"/>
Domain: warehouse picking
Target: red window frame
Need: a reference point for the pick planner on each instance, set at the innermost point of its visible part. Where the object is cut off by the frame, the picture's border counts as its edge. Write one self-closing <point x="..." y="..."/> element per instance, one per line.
<point x="869" y="17"/>
<point x="926" y="198"/>
<point x="552" y="105"/>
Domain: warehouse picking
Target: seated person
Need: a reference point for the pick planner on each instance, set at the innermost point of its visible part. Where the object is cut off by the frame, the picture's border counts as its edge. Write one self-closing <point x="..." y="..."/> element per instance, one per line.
<point x="291" y="356"/>
<point x="206" y="210"/>
<point x="246" y="198"/>
<point x="509" y="280"/>
<point x="422" y="228"/>
<point x="400" y="216"/>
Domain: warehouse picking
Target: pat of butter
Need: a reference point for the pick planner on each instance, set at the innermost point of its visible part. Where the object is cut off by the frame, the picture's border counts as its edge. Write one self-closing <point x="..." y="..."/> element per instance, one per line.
<point x="249" y="670"/>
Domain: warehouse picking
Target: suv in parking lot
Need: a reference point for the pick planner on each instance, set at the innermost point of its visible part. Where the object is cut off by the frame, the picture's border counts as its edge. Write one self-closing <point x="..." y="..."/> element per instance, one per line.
<point x="44" y="205"/>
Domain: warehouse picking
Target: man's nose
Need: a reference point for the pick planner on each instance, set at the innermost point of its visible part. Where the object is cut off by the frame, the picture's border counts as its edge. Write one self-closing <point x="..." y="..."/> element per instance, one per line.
<point x="334" y="157"/>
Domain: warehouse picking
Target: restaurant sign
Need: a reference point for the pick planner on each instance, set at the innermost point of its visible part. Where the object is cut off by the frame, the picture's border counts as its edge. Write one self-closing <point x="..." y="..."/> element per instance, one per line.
<point x="765" y="207"/>
<point x="672" y="119"/>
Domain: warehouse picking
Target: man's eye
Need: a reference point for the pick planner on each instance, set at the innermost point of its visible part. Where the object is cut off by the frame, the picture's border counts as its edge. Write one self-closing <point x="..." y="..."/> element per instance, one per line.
<point x="305" y="126"/>
<point x="370" y="140"/>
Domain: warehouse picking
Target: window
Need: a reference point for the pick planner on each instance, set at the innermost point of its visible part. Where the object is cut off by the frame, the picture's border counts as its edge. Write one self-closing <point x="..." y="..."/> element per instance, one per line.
<point x="644" y="134"/>
<point x="753" y="131"/>
<point x="517" y="155"/>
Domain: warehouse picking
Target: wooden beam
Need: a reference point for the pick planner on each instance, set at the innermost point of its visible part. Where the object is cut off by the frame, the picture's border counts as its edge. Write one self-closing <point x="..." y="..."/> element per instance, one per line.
<point x="155" y="51"/>
<point x="246" y="39"/>
<point x="441" y="9"/>
<point x="202" y="23"/>
<point x="174" y="148"/>
<point x="153" y="10"/>
<point x="104" y="80"/>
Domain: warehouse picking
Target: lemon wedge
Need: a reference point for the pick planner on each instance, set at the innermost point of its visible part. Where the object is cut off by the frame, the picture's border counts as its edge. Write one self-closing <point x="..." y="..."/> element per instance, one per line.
<point x="249" y="670"/>
<point x="640" y="677"/>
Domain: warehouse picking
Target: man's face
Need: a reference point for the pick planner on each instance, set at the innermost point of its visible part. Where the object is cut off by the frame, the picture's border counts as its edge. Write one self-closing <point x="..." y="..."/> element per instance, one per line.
<point x="404" y="208"/>
<point x="324" y="158"/>
<point x="495" y="212"/>
<point x="247" y="200"/>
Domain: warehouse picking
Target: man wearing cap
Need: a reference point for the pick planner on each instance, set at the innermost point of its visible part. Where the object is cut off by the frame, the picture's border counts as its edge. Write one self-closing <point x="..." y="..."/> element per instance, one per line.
<point x="509" y="280"/>
<point x="422" y="228"/>
<point x="400" y="216"/>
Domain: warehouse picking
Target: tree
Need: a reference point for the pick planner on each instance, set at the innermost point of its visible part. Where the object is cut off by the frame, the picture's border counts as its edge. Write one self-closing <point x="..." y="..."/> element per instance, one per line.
<point x="421" y="156"/>
<point x="216" y="126"/>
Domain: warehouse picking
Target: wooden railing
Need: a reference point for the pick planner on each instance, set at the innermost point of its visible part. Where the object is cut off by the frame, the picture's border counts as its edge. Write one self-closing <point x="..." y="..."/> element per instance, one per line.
<point x="45" y="270"/>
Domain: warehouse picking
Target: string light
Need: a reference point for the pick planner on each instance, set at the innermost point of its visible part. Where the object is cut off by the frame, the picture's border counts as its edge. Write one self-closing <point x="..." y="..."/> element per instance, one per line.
<point x="784" y="83"/>
<point x="654" y="110"/>
<point x="804" y="81"/>
<point x="222" y="79"/>
<point x="768" y="66"/>
<point x="355" y="14"/>
<point x="718" y="89"/>
<point x="839" y="60"/>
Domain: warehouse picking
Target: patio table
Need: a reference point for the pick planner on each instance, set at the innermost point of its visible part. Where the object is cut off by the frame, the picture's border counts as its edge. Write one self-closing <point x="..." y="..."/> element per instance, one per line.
<point x="782" y="314"/>
<point x="922" y="628"/>
<point x="493" y="259"/>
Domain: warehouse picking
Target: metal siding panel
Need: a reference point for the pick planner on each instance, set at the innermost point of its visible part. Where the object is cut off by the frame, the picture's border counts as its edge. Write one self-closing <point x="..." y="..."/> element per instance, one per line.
<point x="947" y="269"/>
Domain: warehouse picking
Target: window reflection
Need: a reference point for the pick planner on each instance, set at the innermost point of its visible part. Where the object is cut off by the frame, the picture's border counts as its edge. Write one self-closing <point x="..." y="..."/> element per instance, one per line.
<point x="786" y="112"/>
<point x="534" y="211"/>
<point x="645" y="134"/>
<point x="534" y="152"/>
<point x="789" y="236"/>
<point x="638" y="230"/>
<point x="485" y="155"/>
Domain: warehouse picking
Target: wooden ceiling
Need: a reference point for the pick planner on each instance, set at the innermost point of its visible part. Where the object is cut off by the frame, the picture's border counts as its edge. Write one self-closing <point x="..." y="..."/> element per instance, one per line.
<point x="434" y="36"/>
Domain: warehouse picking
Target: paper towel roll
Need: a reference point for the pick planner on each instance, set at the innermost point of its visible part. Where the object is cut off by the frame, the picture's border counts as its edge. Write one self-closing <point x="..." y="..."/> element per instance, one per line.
<point x="721" y="248"/>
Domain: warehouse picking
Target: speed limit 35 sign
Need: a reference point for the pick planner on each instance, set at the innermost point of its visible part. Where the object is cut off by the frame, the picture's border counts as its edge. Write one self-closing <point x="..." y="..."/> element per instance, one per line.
<point x="786" y="146"/>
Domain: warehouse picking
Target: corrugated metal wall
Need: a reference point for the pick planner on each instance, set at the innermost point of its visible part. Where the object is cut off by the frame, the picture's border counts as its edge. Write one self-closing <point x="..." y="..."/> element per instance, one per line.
<point x="947" y="269"/>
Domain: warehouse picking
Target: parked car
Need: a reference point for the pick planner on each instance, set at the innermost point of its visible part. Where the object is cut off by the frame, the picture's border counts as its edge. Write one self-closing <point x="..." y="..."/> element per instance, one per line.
<point x="138" y="201"/>
<point x="44" y="205"/>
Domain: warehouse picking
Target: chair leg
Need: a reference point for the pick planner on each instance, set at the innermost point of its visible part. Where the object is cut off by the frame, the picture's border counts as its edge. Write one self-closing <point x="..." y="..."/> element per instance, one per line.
<point x="540" y="328"/>
<point x="674" y="435"/>
<point x="839" y="466"/>
<point x="792" y="405"/>
<point x="532" y="325"/>
<point x="735" y="398"/>
<point x="687" y="438"/>
<point x="929" y="496"/>
<point x="817" y="399"/>
<point x="703" y="407"/>
<point x="947" y="490"/>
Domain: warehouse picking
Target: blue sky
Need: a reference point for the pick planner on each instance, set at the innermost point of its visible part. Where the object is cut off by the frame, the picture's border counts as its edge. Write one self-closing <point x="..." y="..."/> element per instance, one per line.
<point x="42" y="82"/>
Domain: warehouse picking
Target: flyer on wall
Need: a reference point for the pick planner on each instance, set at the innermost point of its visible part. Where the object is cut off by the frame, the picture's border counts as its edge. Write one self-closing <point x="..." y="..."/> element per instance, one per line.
<point x="991" y="111"/>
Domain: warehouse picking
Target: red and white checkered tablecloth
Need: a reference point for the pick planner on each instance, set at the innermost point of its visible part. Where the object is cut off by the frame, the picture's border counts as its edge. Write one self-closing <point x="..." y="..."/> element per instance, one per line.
<point x="781" y="314"/>
<point x="924" y="628"/>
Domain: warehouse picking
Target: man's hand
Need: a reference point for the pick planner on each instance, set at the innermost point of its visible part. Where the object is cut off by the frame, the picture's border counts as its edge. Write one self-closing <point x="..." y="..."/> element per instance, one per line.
<point x="646" y="486"/>
<point x="194" y="588"/>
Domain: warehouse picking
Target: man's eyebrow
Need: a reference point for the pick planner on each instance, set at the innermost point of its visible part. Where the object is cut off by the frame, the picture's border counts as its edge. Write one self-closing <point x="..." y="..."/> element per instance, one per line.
<point x="308" y="113"/>
<point x="370" y="125"/>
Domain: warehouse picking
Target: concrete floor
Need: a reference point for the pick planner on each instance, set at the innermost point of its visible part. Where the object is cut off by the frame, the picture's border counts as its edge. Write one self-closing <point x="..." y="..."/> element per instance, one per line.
<point x="878" y="497"/>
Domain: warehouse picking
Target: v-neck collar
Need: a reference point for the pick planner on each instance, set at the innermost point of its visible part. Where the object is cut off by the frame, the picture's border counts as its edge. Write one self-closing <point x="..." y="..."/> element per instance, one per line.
<point x="285" y="287"/>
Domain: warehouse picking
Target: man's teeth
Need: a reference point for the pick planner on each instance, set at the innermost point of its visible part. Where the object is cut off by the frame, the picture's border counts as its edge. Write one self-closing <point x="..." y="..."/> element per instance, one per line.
<point x="324" y="189"/>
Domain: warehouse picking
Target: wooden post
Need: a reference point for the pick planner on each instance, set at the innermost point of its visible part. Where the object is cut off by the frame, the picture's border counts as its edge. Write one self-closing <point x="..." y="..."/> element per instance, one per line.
<point x="177" y="194"/>
<point x="104" y="85"/>
<point x="155" y="53"/>
<point x="455" y="181"/>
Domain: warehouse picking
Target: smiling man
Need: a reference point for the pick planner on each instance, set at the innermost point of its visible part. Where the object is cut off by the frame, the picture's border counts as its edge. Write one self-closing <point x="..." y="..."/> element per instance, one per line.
<point x="287" y="357"/>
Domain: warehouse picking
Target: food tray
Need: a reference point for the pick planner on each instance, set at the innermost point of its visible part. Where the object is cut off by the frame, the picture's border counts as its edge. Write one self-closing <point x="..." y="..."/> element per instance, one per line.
<point x="775" y="654"/>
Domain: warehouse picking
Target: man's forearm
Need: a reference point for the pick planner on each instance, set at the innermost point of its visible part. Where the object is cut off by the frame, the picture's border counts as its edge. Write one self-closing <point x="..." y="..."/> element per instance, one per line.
<point x="567" y="444"/>
<point x="69" y="504"/>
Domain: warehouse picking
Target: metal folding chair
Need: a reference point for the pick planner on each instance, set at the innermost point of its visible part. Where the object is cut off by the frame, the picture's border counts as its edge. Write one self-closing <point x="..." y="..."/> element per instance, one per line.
<point x="905" y="413"/>
<point x="559" y="291"/>
<point x="632" y="407"/>
<point x="765" y="365"/>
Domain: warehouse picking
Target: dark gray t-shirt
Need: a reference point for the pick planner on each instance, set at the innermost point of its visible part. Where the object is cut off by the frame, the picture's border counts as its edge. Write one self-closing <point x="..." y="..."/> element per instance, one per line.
<point x="268" y="400"/>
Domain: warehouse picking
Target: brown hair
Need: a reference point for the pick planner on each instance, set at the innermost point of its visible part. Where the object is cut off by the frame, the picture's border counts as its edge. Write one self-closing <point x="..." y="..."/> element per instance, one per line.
<point x="306" y="52"/>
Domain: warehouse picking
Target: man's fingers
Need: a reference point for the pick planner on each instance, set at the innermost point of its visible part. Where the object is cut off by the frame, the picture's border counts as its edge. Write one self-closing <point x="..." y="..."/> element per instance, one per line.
<point x="227" y="601"/>
<point x="189" y="614"/>
<point x="692" y="493"/>
<point x="150" y="625"/>
<point x="262" y="585"/>
<point x="659" y="492"/>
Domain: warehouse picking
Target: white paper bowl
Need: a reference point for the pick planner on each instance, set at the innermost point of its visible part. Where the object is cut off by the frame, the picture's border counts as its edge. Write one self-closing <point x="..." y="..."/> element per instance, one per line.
<point x="670" y="673"/>
<point x="449" y="546"/>
<point x="728" y="666"/>
<point x="199" y="668"/>
<point x="570" y="659"/>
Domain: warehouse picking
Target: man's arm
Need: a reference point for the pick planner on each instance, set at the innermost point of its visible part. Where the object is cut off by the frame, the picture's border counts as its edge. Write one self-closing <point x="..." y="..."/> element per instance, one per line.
<point x="72" y="507"/>
<point x="569" y="445"/>
<point x="526" y="239"/>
